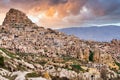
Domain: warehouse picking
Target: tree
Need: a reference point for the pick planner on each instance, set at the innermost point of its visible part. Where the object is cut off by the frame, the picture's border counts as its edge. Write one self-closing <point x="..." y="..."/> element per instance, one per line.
<point x="91" y="56"/>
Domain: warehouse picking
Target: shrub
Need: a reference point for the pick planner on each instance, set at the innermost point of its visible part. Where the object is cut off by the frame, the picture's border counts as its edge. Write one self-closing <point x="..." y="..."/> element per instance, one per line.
<point x="33" y="74"/>
<point x="10" y="54"/>
<point x="2" y="61"/>
<point x="45" y="50"/>
<point x="42" y="62"/>
<point x="77" y="68"/>
<point x="118" y="64"/>
<point x="91" y="55"/>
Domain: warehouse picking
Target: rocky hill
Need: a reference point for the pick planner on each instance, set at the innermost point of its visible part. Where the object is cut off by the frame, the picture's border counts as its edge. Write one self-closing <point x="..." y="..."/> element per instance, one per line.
<point x="39" y="52"/>
<point x="16" y="18"/>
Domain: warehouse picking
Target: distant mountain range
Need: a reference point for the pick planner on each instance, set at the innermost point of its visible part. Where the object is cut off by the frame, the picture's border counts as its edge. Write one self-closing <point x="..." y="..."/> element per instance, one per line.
<point x="103" y="33"/>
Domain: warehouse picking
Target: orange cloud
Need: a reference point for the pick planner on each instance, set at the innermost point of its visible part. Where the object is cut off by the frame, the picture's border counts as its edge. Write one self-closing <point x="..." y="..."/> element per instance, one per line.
<point x="63" y="13"/>
<point x="51" y="11"/>
<point x="63" y="7"/>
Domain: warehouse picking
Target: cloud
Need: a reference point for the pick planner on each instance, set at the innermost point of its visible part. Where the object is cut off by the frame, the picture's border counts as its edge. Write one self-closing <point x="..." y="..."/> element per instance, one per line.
<point x="103" y="7"/>
<point x="65" y="12"/>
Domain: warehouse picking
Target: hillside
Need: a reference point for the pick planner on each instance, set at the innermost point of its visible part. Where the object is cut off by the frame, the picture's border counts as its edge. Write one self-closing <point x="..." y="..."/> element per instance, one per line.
<point x="29" y="52"/>
<point x="103" y="33"/>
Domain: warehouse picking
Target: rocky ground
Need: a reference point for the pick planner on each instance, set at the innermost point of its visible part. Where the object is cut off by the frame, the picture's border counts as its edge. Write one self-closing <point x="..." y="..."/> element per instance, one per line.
<point x="30" y="52"/>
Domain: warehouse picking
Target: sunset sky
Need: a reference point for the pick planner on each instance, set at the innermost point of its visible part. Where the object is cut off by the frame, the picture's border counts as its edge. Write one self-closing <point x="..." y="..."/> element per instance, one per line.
<point x="66" y="13"/>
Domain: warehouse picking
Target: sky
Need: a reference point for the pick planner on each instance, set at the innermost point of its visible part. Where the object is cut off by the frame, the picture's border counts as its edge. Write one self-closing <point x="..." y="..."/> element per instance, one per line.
<point x="66" y="13"/>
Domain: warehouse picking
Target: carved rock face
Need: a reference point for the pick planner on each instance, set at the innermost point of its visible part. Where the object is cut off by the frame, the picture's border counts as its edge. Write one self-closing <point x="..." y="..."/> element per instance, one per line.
<point x="16" y="18"/>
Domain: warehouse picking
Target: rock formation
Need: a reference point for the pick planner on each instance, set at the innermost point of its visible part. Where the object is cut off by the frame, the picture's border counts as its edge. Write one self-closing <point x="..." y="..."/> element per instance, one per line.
<point x="27" y="47"/>
<point x="16" y="18"/>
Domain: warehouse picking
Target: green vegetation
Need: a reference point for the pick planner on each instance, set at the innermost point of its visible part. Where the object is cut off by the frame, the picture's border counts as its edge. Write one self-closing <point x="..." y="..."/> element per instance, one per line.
<point x="2" y="61"/>
<point x="45" y="50"/>
<point x="68" y="58"/>
<point x="33" y="74"/>
<point x="10" y="54"/>
<point x="77" y="68"/>
<point x="21" y="68"/>
<point x="71" y="59"/>
<point x="10" y="77"/>
<point x="42" y="62"/>
<point x="118" y="64"/>
<point x="91" y="56"/>
<point x="118" y="72"/>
